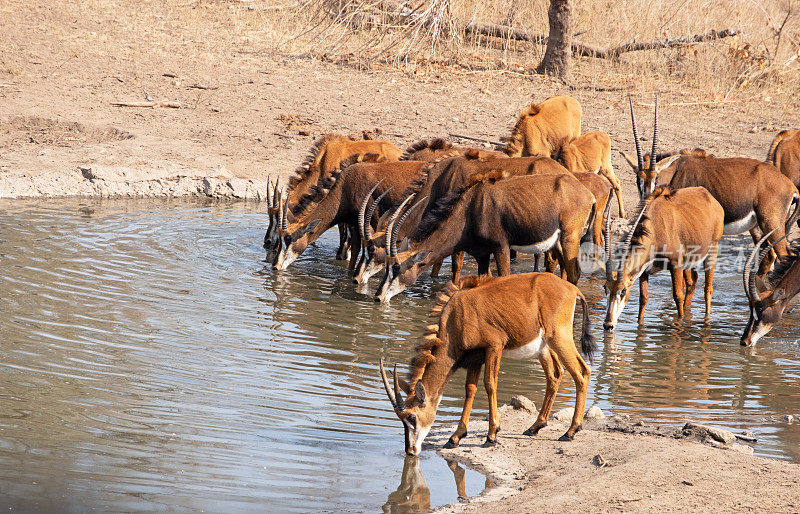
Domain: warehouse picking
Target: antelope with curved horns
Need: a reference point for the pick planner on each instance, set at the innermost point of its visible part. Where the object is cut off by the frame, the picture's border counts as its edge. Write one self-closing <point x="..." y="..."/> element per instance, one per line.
<point x="325" y="157"/>
<point x="274" y="201"/>
<point x="542" y="128"/>
<point x="675" y="229"/>
<point x="338" y="201"/>
<point x="492" y="216"/>
<point x="784" y="153"/>
<point x="591" y="153"/>
<point x="480" y="321"/>
<point x="768" y="303"/>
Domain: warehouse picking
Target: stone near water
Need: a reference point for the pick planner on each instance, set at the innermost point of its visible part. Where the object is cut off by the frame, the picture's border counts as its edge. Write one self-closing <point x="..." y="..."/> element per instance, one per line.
<point x="788" y="418"/>
<point x="718" y="434"/>
<point x="595" y="412"/>
<point x="741" y="448"/>
<point x="564" y="414"/>
<point x="523" y="403"/>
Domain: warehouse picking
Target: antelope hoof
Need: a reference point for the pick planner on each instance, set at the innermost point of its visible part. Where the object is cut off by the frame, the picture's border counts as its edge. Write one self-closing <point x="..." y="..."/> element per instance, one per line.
<point x="567" y="437"/>
<point x="489" y="443"/>
<point x="533" y="430"/>
<point x="453" y="443"/>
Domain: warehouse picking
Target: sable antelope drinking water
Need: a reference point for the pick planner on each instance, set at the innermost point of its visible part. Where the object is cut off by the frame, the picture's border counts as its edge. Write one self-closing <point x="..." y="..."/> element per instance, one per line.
<point x="482" y="320"/>
<point x="591" y="153"/>
<point x="755" y="196"/>
<point x="542" y="128"/>
<point x="768" y="303"/>
<point x="325" y="157"/>
<point x="337" y="200"/>
<point x="449" y="173"/>
<point x="675" y="229"/>
<point x="485" y="219"/>
<point x="784" y="153"/>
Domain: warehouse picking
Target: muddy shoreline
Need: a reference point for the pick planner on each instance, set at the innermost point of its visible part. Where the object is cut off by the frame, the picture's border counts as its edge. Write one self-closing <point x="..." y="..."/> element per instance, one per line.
<point x="617" y="464"/>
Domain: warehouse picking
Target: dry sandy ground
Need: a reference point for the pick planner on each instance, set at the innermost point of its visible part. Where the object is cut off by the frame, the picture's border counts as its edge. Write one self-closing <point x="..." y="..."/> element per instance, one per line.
<point x="63" y="64"/>
<point x="244" y="114"/>
<point x="637" y="473"/>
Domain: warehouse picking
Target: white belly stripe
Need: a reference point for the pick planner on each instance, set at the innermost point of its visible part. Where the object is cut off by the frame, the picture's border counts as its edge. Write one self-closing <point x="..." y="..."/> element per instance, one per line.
<point x="741" y="226"/>
<point x="532" y="349"/>
<point x="539" y="247"/>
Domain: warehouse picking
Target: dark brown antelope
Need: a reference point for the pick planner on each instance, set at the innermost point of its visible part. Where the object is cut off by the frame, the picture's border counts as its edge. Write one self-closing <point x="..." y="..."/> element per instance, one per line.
<point x="325" y="157"/>
<point x="449" y="173"/>
<point x="492" y="216"/>
<point x="677" y="230"/>
<point x="768" y="303"/>
<point x="755" y="196"/>
<point x="480" y="321"/>
<point x="591" y="153"/>
<point x="784" y="153"/>
<point x="337" y="200"/>
<point x="542" y="128"/>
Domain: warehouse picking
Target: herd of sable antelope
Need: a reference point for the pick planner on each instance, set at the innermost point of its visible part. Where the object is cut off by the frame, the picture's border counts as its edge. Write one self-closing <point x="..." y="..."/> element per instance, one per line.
<point x="547" y="192"/>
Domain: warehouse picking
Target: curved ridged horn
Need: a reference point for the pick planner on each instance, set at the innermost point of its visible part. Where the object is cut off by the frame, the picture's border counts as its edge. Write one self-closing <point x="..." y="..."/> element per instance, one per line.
<point x="367" y="225"/>
<point x="390" y="225"/>
<point x="635" y="135"/>
<point x="284" y="212"/>
<point x="275" y="194"/>
<point x="629" y="238"/>
<point x="399" y="223"/>
<point x="655" y="135"/>
<point x="392" y="397"/>
<point x="748" y="277"/>
<point x="607" y="242"/>
<point x="397" y="393"/>
<point x="269" y="191"/>
<point x="362" y="210"/>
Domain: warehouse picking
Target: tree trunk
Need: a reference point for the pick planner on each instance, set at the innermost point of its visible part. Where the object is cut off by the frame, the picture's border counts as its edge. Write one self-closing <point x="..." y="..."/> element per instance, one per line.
<point x="559" y="41"/>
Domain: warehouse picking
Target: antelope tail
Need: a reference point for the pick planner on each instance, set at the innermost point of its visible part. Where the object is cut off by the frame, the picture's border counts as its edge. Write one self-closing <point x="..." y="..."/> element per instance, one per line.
<point x="795" y="213"/>
<point x="775" y="142"/>
<point x="588" y="343"/>
<point x="588" y="231"/>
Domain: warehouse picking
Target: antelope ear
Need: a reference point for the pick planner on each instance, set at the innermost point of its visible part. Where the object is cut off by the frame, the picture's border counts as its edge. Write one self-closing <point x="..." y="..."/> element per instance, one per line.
<point x="421" y="256"/>
<point x="289" y="216"/>
<point x="779" y="294"/>
<point x="311" y="226"/>
<point x="419" y="391"/>
<point x="666" y="163"/>
<point x="405" y="245"/>
<point x="630" y="161"/>
<point x="405" y="386"/>
<point x="760" y="285"/>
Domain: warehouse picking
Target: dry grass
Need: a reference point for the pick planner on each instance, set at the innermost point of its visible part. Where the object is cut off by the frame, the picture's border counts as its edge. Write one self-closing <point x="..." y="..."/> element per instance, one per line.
<point x="762" y="60"/>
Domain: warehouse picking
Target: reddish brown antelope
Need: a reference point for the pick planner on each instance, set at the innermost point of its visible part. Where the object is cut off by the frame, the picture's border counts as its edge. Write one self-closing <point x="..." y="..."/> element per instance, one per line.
<point x="591" y="153"/>
<point x="325" y="157"/>
<point x="755" y="196"/>
<point x="675" y="229"/>
<point x="337" y="201"/>
<point x="784" y="153"/>
<point x="768" y="303"/>
<point x="449" y="173"/>
<point x="489" y="218"/>
<point x="486" y="318"/>
<point x="542" y="128"/>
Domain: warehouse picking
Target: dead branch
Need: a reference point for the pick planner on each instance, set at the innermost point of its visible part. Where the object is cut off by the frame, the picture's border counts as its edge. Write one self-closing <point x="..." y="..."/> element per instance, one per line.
<point x="173" y="105"/>
<point x="478" y="139"/>
<point x="580" y="49"/>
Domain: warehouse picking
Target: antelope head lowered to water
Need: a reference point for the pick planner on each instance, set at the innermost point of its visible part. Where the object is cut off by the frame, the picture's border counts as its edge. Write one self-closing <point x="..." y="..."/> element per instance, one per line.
<point x="483" y="319"/>
<point x="768" y="303"/>
<point x="675" y="229"/>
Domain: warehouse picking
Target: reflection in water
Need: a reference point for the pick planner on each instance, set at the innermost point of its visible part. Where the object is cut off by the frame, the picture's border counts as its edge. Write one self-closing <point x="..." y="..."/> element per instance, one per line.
<point x="153" y="360"/>
<point x="413" y="494"/>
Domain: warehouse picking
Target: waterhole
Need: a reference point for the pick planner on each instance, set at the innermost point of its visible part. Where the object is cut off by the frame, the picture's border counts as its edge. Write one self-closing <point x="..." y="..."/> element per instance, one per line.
<point x="152" y="359"/>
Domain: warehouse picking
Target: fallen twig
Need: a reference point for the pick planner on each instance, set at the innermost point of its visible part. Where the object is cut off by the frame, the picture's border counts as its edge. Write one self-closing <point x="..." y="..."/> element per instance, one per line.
<point x="198" y="86"/>
<point x="685" y="104"/>
<point x="173" y="105"/>
<point x="478" y="139"/>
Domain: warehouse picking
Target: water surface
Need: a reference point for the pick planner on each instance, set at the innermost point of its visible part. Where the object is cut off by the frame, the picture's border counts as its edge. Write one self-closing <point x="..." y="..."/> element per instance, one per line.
<point x="152" y="359"/>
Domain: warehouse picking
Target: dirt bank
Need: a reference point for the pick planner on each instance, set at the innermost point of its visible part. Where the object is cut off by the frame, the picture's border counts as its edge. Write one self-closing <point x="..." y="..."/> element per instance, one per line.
<point x="247" y="112"/>
<point x="618" y="465"/>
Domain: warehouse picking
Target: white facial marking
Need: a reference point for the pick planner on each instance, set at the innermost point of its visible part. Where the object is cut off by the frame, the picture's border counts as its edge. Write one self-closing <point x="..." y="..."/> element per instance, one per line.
<point x="742" y="225"/>
<point x="759" y="332"/>
<point x="529" y="350"/>
<point x="616" y="307"/>
<point x="286" y="257"/>
<point x="421" y="434"/>
<point x="539" y="247"/>
<point x="393" y="289"/>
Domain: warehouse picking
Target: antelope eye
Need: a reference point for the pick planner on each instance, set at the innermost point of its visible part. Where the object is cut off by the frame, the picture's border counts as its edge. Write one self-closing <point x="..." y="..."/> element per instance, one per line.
<point x="412" y="419"/>
<point x="623" y="291"/>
